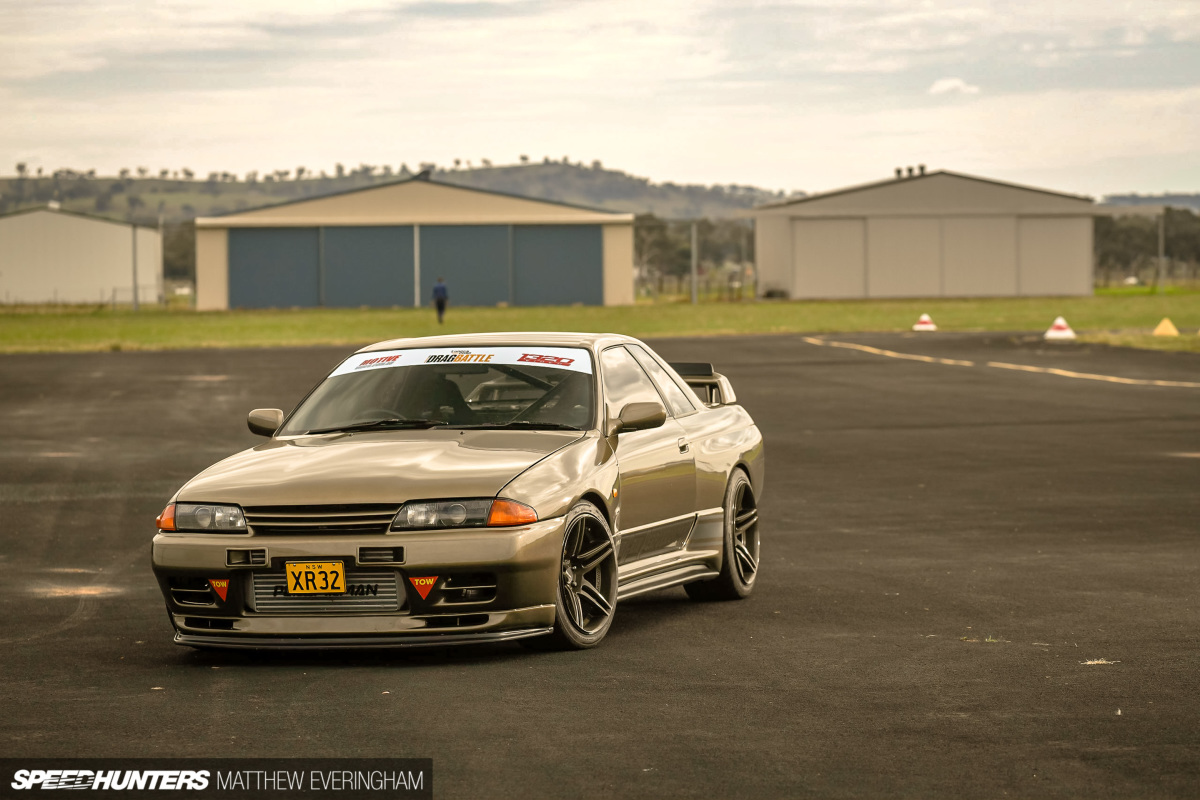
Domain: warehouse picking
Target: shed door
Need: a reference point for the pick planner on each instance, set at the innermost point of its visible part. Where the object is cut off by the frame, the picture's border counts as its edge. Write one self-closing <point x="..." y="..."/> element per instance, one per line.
<point x="368" y="266"/>
<point x="274" y="267"/>
<point x="473" y="259"/>
<point x="904" y="257"/>
<point x="980" y="256"/>
<point x="829" y="258"/>
<point x="558" y="265"/>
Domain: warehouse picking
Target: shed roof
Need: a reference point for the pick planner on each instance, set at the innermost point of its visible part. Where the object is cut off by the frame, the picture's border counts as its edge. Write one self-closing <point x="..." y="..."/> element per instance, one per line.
<point x="938" y="192"/>
<point x="76" y="214"/>
<point x="414" y="201"/>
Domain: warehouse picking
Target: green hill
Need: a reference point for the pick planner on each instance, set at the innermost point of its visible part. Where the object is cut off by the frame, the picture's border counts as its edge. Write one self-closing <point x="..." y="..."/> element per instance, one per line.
<point x="181" y="197"/>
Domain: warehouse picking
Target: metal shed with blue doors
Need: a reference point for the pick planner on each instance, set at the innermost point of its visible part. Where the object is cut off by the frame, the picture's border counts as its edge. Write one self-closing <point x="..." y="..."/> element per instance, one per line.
<point x="386" y="245"/>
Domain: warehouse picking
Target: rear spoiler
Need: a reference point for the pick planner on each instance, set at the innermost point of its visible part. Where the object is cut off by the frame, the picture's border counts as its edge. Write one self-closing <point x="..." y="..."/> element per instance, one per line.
<point x="713" y="388"/>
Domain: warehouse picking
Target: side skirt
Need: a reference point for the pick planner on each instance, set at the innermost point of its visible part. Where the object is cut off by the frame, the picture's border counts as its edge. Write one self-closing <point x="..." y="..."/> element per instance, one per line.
<point x="672" y="573"/>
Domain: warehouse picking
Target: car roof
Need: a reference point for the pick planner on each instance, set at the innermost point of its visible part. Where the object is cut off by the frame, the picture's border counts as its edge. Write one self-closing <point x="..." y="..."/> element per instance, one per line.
<point x="592" y="341"/>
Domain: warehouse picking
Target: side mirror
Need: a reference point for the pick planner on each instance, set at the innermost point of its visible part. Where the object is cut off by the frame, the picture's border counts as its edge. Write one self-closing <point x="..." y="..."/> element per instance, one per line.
<point x="264" y="421"/>
<point x="638" y="417"/>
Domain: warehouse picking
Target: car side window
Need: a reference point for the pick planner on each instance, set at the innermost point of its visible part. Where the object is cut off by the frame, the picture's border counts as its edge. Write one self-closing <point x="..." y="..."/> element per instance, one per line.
<point x="677" y="400"/>
<point x="624" y="381"/>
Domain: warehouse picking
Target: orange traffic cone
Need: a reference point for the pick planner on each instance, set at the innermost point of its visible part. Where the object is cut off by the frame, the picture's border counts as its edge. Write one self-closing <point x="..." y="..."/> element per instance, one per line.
<point x="1166" y="328"/>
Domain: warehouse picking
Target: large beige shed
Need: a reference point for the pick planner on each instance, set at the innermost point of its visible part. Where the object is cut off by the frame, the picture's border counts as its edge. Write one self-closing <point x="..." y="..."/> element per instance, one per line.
<point x="937" y="234"/>
<point x="52" y="256"/>
<point x="385" y="245"/>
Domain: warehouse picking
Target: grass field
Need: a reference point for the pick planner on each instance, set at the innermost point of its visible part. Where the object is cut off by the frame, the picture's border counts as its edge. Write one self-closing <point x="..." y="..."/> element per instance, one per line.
<point x="1121" y="318"/>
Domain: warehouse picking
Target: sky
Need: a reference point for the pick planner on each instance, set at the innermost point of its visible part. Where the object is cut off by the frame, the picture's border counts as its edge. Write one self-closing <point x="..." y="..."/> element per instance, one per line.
<point x="1087" y="96"/>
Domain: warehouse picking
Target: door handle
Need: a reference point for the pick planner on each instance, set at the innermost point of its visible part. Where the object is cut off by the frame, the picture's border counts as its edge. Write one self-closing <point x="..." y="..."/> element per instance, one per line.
<point x="683" y="445"/>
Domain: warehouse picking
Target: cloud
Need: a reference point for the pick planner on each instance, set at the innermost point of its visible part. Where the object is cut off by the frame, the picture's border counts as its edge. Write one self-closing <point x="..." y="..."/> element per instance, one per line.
<point x="688" y="90"/>
<point x="952" y="86"/>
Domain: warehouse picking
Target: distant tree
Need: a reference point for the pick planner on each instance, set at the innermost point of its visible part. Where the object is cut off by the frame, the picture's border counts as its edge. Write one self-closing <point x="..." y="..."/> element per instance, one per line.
<point x="524" y="159"/>
<point x="187" y="174"/>
<point x="124" y="173"/>
<point x="179" y="251"/>
<point x="143" y="172"/>
<point x="487" y="163"/>
<point x="163" y="174"/>
<point x="341" y="171"/>
<point x="91" y="173"/>
<point x="21" y="168"/>
<point x="457" y="163"/>
<point x="39" y="172"/>
<point x="387" y="170"/>
<point x="596" y="165"/>
<point x="546" y="160"/>
<point x="301" y="172"/>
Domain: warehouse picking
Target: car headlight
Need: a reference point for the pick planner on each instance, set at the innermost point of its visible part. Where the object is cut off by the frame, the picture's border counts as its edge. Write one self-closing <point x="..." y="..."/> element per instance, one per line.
<point x="474" y="513"/>
<point x="202" y="518"/>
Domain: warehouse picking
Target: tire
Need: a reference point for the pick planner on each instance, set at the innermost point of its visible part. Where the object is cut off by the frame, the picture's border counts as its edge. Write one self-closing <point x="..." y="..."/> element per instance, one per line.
<point x="586" y="596"/>
<point x="740" y="556"/>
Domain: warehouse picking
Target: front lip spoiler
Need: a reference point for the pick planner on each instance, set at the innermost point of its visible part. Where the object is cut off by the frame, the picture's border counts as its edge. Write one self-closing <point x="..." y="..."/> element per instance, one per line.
<point x="352" y="642"/>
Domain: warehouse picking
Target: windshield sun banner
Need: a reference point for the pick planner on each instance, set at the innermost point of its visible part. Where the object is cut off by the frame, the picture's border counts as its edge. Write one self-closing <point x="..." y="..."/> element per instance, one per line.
<point x="568" y="358"/>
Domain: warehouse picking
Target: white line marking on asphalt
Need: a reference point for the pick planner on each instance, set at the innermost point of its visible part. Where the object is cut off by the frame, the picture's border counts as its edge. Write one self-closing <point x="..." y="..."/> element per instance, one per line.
<point x="890" y="353"/>
<point x="953" y="362"/>
<point x="1088" y="376"/>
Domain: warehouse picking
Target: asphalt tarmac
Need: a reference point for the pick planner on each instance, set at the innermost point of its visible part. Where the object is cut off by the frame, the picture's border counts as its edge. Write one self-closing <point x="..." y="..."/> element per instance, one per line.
<point x="976" y="582"/>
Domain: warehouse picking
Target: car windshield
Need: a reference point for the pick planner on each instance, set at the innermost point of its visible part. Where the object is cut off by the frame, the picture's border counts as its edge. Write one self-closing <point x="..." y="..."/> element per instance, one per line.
<point x="478" y="387"/>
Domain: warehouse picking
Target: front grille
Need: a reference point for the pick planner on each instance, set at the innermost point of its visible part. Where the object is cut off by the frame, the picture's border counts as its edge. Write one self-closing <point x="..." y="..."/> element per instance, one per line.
<point x="191" y="592"/>
<point x="350" y="518"/>
<point x="377" y="590"/>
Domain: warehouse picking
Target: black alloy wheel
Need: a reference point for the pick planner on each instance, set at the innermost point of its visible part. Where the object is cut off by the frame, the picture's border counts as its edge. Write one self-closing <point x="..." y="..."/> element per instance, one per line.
<point x="587" y="583"/>
<point x="739" y="563"/>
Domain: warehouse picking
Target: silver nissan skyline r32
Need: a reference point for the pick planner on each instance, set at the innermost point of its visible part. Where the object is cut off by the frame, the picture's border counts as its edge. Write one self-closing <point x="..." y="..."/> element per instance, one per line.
<point x="472" y="488"/>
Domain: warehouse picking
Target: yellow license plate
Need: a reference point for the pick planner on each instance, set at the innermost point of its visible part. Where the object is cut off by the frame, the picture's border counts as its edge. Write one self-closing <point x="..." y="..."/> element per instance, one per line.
<point x="315" y="577"/>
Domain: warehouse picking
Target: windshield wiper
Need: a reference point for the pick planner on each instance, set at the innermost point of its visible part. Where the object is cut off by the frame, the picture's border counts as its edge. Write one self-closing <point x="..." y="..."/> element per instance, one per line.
<point x="523" y="424"/>
<point x="391" y="422"/>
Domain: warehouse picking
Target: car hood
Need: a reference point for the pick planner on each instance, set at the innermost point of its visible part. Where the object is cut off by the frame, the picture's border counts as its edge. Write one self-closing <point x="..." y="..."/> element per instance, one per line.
<point x="374" y="467"/>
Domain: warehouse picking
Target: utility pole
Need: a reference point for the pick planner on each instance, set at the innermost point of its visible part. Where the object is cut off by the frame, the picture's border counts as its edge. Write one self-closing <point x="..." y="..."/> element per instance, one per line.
<point x="135" y="275"/>
<point x="695" y="264"/>
<point x="1162" y="250"/>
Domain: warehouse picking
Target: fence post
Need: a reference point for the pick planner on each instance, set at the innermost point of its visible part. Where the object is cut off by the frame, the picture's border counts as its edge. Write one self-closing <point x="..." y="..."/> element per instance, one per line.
<point x="135" y="275"/>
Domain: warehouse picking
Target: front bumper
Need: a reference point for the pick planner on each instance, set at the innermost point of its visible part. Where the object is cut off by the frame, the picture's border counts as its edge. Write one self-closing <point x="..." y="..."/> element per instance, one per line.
<point x="517" y="569"/>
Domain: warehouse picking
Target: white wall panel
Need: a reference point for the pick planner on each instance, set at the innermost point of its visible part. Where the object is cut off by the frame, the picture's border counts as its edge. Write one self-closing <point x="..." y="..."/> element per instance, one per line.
<point x="1055" y="255"/>
<point x="829" y="258"/>
<point x="979" y="256"/>
<point x="904" y="257"/>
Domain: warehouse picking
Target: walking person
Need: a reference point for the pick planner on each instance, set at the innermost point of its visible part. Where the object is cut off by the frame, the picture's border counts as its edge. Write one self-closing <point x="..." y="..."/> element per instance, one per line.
<point x="440" y="296"/>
